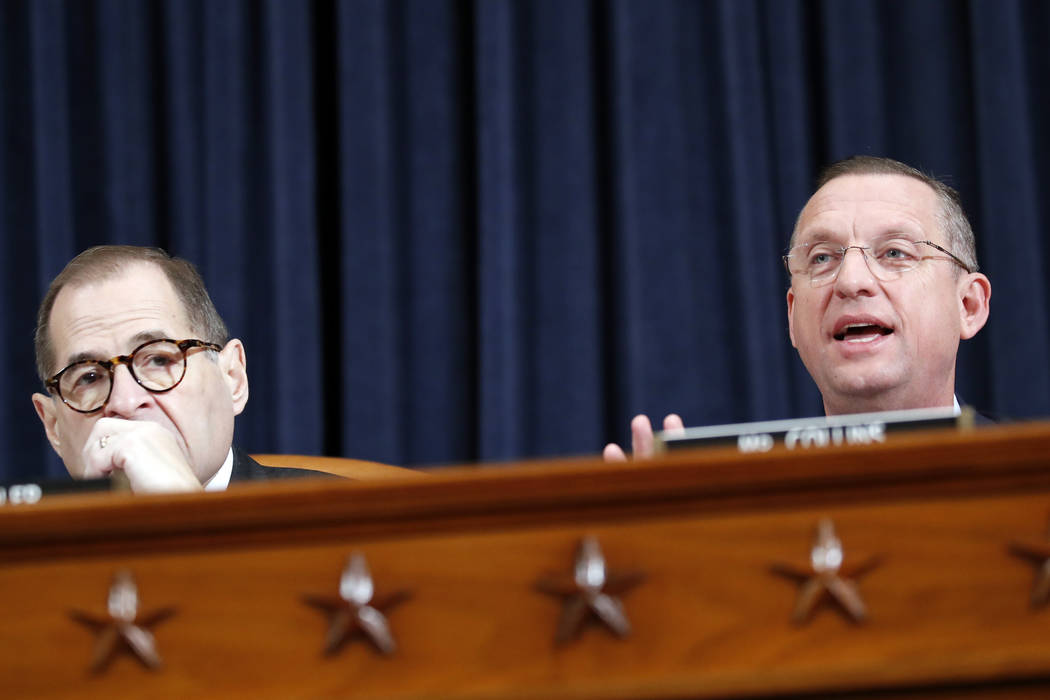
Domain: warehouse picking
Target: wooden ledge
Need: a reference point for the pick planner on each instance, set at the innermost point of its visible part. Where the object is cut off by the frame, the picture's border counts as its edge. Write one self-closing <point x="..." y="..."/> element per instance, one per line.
<point x="356" y="469"/>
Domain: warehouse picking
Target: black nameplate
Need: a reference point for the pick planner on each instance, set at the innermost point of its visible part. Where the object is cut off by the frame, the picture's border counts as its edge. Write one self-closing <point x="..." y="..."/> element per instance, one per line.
<point x="27" y="493"/>
<point x="808" y="433"/>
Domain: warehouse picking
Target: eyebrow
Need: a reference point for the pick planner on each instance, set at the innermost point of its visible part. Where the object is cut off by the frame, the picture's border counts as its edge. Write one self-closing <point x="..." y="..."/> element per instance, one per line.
<point x="820" y="236"/>
<point x="136" y="340"/>
<point x="826" y="236"/>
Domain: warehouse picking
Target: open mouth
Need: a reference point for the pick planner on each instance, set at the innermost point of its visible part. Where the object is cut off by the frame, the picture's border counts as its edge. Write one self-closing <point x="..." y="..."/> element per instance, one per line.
<point x="861" y="332"/>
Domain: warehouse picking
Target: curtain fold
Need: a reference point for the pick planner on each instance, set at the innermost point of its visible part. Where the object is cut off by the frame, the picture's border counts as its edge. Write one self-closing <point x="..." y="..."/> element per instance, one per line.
<point x="1011" y="192"/>
<point x="451" y="231"/>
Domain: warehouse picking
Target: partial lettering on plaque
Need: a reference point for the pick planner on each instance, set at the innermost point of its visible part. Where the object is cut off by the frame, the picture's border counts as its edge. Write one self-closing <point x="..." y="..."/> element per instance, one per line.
<point x="814" y="433"/>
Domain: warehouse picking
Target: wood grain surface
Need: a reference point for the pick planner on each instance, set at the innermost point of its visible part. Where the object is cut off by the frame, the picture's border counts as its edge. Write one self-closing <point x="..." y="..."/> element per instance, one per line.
<point x="949" y="610"/>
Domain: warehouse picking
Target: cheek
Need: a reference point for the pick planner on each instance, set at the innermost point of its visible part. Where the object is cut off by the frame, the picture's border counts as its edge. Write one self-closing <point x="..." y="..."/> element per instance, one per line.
<point x="73" y="429"/>
<point x="198" y="404"/>
<point x="805" y="319"/>
<point x="72" y="433"/>
<point x="932" y="312"/>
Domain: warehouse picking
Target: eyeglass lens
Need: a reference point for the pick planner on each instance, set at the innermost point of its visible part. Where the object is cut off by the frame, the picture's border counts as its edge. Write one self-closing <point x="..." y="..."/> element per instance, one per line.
<point x="887" y="259"/>
<point x="157" y="366"/>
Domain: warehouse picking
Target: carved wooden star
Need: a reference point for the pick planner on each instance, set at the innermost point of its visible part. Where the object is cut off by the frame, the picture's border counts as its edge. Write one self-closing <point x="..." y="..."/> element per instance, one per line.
<point x="1039" y="554"/>
<point x="123" y="627"/>
<point x="590" y="589"/>
<point x="827" y="575"/>
<point x="355" y="611"/>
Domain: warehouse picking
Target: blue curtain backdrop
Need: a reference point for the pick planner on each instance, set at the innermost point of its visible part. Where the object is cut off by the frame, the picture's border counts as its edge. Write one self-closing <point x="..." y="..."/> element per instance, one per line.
<point x="455" y="231"/>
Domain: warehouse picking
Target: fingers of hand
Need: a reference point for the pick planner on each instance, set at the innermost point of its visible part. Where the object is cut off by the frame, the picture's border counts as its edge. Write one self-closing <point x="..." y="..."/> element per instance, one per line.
<point x="98" y="450"/>
<point x="673" y="423"/>
<point x="642" y="437"/>
<point x="150" y="456"/>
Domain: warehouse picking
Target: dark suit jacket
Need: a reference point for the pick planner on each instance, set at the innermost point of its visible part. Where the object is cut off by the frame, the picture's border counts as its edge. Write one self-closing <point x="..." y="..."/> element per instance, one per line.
<point x="244" y="469"/>
<point x="982" y="419"/>
<point x="247" y="469"/>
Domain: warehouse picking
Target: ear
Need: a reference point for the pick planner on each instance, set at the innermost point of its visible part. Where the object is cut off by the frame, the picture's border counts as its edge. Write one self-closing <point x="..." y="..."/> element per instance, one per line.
<point x="234" y="367"/>
<point x="975" y="293"/>
<point x="791" y="316"/>
<point x="48" y="412"/>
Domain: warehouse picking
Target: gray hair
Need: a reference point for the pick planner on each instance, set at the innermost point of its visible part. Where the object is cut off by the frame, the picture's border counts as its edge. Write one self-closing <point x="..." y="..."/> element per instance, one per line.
<point x="106" y="261"/>
<point x="951" y="217"/>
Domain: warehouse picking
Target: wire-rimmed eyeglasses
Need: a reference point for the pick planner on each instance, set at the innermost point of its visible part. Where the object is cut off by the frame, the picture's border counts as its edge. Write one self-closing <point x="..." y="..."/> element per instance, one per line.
<point x="887" y="258"/>
<point x="157" y="365"/>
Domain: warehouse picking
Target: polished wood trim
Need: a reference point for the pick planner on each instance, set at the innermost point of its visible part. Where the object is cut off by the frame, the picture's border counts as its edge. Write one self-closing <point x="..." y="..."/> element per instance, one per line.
<point x="356" y="469"/>
<point x="1002" y="459"/>
<point x="949" y="611"/>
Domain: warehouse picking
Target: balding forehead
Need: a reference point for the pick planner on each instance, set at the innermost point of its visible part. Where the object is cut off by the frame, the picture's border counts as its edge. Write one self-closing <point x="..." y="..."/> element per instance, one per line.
<point x="110" y="313"/>
<point x="909" y="196"/>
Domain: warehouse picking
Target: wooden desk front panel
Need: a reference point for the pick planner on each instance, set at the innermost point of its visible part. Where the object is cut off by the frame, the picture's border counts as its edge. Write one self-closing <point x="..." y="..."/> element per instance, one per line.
<point x="949" y="605"/>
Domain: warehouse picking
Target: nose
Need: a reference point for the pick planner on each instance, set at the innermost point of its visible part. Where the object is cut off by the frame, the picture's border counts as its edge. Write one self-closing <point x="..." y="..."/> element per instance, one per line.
<point x="854" y="276"/>
<point x="126" y="396"/>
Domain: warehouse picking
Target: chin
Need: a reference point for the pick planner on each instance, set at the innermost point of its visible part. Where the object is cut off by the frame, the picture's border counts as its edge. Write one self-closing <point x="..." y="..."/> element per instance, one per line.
<point x="866" y="389"/>
<point x="77" y="471"/>
<point x="866" y="392"/>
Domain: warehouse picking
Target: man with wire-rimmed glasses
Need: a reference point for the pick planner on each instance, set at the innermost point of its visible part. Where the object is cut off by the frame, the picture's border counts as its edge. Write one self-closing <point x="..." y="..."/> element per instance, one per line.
<point x="140" y="375"/>
<point x="884" y="286"/>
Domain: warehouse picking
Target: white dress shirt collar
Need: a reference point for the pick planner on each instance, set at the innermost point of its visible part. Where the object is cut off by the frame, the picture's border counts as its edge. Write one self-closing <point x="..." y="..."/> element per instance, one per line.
<point x="221" y="479"/>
